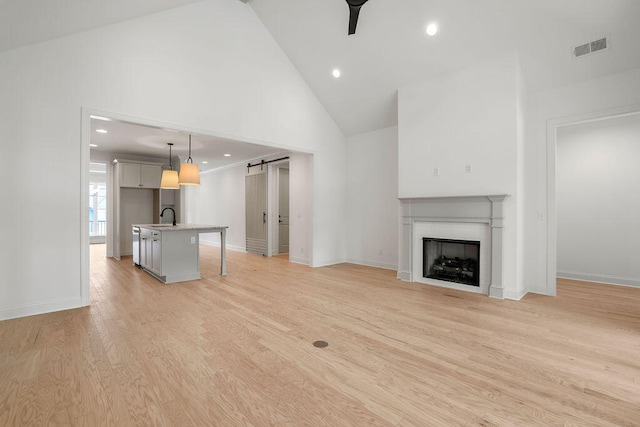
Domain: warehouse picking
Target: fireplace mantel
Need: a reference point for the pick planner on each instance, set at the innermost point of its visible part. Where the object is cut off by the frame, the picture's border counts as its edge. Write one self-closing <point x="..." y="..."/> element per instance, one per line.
<point x="483" y="209"/>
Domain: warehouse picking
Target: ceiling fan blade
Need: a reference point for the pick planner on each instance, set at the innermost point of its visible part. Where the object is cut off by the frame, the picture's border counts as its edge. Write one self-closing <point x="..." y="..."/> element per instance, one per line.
<point x="354" y="12"/>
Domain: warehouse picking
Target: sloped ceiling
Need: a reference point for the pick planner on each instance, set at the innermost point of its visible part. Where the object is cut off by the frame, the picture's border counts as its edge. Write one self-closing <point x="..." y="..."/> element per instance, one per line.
<point x="390" y="48"/>
<point x="24" y="22"/>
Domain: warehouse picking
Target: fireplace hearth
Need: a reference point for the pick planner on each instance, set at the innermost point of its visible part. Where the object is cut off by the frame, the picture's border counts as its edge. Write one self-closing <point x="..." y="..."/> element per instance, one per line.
<point x="450" y="260"/>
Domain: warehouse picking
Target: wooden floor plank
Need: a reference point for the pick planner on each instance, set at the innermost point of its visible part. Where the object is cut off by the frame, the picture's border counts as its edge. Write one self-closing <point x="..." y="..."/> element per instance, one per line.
<point x="238" y="350"/>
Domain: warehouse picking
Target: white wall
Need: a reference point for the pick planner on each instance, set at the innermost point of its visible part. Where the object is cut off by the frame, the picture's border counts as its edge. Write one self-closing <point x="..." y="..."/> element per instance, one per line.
<point x="301" y="208"/>
<point x="464" y="118"/>
<point x="372" y="198"/>
<point x="598" y="188"/>
<point x="210" y="67"/>
<point x="219" y="200"/>
<point x="470" y="117"/>
<point x="595" y="98"/>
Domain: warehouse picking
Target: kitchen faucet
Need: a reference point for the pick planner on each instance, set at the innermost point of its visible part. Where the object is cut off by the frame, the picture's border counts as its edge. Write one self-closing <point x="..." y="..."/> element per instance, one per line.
<point x="174" y="214"/>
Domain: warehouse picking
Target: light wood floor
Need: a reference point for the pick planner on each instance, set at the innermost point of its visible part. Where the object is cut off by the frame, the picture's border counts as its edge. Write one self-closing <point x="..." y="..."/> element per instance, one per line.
<point x="238" y="351"/>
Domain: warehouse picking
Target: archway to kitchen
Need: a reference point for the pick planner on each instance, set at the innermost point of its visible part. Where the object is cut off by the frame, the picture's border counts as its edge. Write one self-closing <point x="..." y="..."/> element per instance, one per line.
<point x="219" y="198"/>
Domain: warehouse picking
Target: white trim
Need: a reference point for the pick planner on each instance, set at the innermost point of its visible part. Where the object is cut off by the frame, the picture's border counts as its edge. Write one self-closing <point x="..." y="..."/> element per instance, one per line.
<point x="600" y="278"/>
<point x="405" y="276"/>
<point x="298" y="260"/>
<point x="327" y="263"/>
<point x="552" y="212"/>
<point x="374" y="264"/>
<point x="227" y="246"/>
<point x="85" y="140"/>
<point x="40" y="308"/>
<point x="536" y="289"/>
<point x="513" y="295"/>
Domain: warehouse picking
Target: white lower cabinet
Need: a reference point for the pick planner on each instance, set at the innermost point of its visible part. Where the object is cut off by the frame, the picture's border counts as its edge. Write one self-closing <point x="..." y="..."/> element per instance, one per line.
<point x="170" y="255"/>
<point x="156" y="256"/>
<point x="151" y="250"/>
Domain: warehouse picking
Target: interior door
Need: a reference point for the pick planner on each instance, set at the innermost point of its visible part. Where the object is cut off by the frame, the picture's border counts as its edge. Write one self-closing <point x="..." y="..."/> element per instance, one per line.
<point x="283" y="211"/>
<point x="256" y="212"/>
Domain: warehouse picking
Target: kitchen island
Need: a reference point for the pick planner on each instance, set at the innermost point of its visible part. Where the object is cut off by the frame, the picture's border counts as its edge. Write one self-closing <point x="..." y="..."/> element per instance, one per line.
<point x="171" y="253"/>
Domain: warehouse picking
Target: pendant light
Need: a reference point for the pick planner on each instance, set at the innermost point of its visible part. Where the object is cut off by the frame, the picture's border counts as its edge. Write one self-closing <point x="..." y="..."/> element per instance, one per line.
<point x="169" y="177"/>
<point x="189" y="174"/>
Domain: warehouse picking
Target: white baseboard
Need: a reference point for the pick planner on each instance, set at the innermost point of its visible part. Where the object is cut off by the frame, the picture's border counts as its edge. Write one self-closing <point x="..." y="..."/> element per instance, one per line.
<point x="39" y="308"/>
<point x="515" y="295"/>
<point x="298" y="260"/>
<point x="375" y="264"/>
<point x="328" y="262"/>
<point x="535" y="289"/>
<point x="405" y="276"/>
<point x="228" y="247"/>
<point x="600" y="278"/>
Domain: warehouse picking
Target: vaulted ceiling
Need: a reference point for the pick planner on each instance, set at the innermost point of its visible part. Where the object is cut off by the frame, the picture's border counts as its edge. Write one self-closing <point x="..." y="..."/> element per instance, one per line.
<point x="390" y="48"/>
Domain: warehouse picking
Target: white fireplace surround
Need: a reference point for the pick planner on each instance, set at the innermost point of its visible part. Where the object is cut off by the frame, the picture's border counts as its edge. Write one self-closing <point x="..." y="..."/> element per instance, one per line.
<point x="464" y="218"/>
<point x="480" y="232"/>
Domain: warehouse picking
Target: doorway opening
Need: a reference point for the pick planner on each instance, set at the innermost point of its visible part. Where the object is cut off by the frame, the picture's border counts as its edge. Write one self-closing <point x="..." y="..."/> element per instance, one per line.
<point x="98" y="204"/>
<point x="136" y="140"/>
<point x="555" y="128"/>
<point x="597" y="220"/>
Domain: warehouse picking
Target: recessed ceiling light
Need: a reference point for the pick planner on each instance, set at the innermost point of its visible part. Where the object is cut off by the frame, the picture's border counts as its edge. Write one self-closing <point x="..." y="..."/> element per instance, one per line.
<point x="432" y="29"/>
<point x="93" y="145"/>
<point x="101" y="131"/>
<point x="227" y="155"/>
<point x="336" y="73"/>
<point x="205" y="162"/>
<point x="106" y="119"/>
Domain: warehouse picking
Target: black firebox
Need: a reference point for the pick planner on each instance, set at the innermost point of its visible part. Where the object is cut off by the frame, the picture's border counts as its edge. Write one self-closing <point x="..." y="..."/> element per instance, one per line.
<point x="450" y="260"/>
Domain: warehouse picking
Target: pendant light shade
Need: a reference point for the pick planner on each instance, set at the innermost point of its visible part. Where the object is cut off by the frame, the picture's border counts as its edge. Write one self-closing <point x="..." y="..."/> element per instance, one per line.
<point x="169" y="180"/>
<point x="189" y="174"/>
<point x="169" y="177"/>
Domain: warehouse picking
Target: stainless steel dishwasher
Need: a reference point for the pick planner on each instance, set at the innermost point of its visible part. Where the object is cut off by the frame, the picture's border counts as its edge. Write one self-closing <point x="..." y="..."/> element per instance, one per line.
<point x="136" y="245"/>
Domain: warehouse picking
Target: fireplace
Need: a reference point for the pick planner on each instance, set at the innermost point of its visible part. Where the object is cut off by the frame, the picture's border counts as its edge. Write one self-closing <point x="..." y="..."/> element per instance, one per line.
<point x="456" y="261"/>
<point x="457" y="218"/>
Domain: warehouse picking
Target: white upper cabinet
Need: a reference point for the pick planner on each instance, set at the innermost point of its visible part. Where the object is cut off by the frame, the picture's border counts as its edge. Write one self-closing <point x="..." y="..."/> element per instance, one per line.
<point x="140" y="175"/>
<point x="151" y="175"/>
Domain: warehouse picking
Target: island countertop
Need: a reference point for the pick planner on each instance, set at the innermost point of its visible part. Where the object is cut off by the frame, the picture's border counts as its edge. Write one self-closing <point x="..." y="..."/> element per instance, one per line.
<point x="179" y="227"/>
<point x="170" y="253"/>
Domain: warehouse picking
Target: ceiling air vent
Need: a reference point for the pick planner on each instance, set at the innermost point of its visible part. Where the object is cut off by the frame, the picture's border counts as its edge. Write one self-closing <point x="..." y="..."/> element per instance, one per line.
<point x="591" y="47"/>
<point x="598" y="45"/>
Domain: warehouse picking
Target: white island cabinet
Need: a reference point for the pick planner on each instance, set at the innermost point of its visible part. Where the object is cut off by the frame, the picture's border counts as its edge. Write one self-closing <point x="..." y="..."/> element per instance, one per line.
<point x="170" y="253"/>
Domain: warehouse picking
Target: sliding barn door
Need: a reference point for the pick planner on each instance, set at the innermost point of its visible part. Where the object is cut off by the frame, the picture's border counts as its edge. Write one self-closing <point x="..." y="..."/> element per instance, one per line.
<point x="256" y="211"/>
<point x="283" y="211"/>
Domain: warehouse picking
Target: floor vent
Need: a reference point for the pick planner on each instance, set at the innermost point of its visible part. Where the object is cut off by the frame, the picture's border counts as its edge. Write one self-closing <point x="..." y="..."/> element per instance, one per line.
<point x="591" y="47"/>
